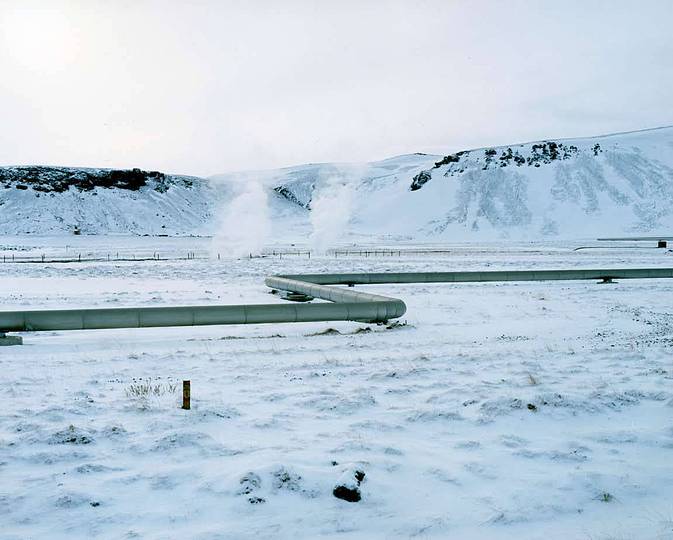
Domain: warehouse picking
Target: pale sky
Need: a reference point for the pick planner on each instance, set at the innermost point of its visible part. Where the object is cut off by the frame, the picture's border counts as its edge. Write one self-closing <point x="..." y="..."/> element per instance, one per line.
<point x="205" y="87"/>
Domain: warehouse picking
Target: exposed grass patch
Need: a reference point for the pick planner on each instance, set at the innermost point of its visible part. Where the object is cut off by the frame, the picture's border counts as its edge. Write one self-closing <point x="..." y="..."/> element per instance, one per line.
<point x="146" y="388"/>
<point x="606" y="497"/>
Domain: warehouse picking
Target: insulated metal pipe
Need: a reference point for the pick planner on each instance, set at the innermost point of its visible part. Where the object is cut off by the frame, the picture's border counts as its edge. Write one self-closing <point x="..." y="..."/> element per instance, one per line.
<point x="465" y="277"/>
<point x="90" y="319"/>
<point x="345" y="304"/>
<point x="636" y="239"/>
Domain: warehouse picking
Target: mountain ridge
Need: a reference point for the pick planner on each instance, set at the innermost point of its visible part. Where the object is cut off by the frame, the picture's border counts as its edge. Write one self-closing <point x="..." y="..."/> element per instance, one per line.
<point x="552" y="188"/>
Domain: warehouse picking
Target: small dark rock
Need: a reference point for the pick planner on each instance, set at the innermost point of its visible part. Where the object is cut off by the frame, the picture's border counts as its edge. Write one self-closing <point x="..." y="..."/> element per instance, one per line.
<point x="350" y="494"/>
<point x="420" y="180"/>
<point x="256" y="500"/>
<point x="348" y="488"/>
<point x="531" y="407"/>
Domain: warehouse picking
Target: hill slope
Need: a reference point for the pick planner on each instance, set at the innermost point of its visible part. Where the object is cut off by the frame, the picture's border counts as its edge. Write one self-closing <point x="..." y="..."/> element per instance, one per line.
<point x="587" y="187"/>
<point x="616" y="183"/>
<point x="52" y="200"/>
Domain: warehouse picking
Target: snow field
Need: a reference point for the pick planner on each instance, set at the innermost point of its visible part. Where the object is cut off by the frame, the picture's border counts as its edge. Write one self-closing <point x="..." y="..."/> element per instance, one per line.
<point x="494" y="410"/>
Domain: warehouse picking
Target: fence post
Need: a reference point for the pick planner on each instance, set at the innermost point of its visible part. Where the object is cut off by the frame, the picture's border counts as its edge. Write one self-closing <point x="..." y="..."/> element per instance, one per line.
<point x="186" y="395"/>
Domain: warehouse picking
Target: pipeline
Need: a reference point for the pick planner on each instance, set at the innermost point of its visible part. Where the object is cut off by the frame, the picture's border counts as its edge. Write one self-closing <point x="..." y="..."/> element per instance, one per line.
<point x="466" y="277"/>
<point x="344" y="304"/>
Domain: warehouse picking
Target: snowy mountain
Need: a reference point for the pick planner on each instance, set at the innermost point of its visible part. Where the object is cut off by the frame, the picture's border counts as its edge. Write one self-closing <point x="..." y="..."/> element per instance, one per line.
<point x="575" y="187"/>
<point x="572" y="188"/>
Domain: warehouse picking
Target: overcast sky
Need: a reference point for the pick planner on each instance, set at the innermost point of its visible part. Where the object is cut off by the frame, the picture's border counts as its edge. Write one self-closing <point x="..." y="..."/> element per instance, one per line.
<point x="205" y="87"/>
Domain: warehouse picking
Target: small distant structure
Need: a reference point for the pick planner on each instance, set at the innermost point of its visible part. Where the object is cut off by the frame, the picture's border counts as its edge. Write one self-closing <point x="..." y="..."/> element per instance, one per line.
<point x="662" y="241"/>
<point x="76" y="231"/>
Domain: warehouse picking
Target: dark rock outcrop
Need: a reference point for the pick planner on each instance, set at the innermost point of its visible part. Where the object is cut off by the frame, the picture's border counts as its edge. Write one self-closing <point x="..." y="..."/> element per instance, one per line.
<point x="60" y="179"/>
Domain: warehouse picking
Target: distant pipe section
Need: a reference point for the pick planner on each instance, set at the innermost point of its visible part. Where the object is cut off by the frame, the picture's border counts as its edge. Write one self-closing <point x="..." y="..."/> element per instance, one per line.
<point x="662" y="241"/>
<point x="343" y="304"/>
<point x="636" y="239"/>
<point x="467" y="277"/>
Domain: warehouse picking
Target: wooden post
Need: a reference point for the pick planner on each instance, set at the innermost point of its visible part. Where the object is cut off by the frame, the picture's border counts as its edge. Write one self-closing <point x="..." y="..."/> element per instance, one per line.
<point x="186" y="395"/>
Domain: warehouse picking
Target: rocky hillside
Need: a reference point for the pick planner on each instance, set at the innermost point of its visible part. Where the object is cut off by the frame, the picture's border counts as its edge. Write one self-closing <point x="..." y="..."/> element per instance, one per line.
<point x="580" y="187"/>
<point x="576" y="188"/>
<point x="48" y="200"/>
<point x="61" y="179"/>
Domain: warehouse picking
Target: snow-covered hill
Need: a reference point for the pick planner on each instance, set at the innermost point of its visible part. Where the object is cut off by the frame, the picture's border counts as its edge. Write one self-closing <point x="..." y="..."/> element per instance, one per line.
<point x="360" y="193"/>
<point x="619" y="183"/>
<point x="614" y="184"/>
<point x="573" y="188"/>
<point x="52" y="200"/>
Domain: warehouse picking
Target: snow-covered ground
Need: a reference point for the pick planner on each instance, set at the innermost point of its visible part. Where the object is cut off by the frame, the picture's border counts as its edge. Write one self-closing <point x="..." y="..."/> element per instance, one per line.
<point x="493" y="410"/>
